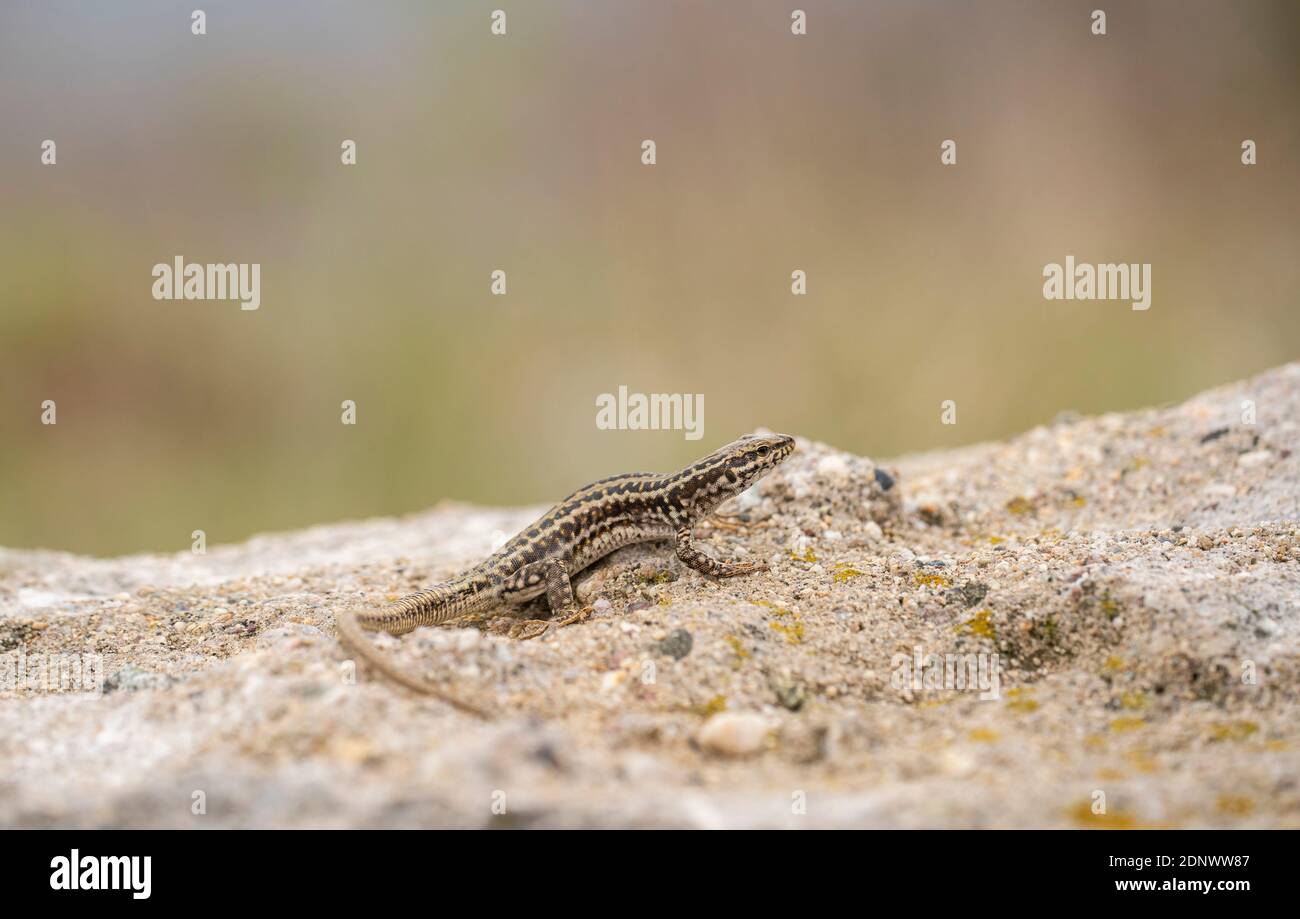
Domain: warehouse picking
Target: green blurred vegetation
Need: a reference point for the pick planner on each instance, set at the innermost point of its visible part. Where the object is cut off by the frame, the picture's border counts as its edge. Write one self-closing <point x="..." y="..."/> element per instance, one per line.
<point x="522" y="153"/>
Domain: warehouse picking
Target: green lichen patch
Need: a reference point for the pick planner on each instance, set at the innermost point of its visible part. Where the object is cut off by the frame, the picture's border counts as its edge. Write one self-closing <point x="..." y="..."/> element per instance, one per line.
<point x="1135" y="701"/>
<point x="1020" y="506"/>
<point x="793" y="631"/>
<point x="737" y="648"/>
<point x="712" y="707"/>
<point x="1233" y="731"/>
<point x="930" y="579"/>
<point x="1020" y="699"/>
<point x="980" y="625"/>
<point x="1083" y="815"/>
<point x="1127" y="723"/>
<point x="844" y="573"/>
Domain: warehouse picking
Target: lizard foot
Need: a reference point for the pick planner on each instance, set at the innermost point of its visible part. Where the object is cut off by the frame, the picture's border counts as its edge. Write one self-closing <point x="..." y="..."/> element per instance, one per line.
<point x="530" y="628"/>
<point x="580" y="615"/>
<point x="534" y="628"/>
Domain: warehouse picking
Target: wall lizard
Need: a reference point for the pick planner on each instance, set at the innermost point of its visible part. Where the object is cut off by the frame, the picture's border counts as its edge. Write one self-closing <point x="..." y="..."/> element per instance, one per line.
<point x="582" y="529"/>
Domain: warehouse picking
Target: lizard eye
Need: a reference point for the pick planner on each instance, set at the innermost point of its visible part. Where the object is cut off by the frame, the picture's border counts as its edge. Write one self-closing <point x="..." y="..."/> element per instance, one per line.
<point x="763" y="451"/>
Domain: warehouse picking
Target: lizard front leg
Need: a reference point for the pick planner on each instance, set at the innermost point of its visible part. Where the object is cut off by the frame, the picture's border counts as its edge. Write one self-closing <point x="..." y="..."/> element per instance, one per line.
<point x="705" y="564"/>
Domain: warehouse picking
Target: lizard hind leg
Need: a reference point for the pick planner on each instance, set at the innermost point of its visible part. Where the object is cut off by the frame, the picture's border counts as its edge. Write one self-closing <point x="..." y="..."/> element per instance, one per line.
<point x="559" y="587"/>
<point x="559" y="597"/>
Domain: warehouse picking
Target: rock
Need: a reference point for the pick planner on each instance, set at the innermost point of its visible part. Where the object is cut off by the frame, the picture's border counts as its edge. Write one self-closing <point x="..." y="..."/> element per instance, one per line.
<point x="1121" y="646"/>
<point x="734" y="734"/>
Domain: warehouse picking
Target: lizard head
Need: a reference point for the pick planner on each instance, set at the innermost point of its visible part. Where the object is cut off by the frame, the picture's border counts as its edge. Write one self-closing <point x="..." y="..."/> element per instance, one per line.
<point x="728" y="471"/>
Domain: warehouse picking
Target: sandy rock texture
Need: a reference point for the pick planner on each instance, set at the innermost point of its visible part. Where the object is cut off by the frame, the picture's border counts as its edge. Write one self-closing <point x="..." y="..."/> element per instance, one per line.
<point x="1096" y="624"/>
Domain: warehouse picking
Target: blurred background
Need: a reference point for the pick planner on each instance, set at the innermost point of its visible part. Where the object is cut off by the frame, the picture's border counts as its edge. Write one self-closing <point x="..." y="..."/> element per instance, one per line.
<point x="523" y="153"/>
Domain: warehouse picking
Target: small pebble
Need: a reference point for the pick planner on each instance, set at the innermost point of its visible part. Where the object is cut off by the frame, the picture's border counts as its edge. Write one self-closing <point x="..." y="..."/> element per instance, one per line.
<point x="132" y="679"/>
<point x="791" y="695"/>
<point x="734" y="733"/>
<point x="676" y="645"/>
<point x="833" y="468"/>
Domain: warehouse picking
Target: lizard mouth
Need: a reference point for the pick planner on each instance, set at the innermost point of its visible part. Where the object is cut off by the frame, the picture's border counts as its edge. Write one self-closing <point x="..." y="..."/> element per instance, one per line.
<point x="783" y="449"/>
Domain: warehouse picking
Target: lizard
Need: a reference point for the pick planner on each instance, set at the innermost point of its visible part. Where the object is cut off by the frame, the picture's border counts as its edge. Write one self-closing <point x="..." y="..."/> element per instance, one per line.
<point x="582" y="529"/>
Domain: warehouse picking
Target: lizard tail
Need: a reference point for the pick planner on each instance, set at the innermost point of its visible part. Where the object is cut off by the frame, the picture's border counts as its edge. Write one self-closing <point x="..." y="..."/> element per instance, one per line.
<point x="351" y="635"/>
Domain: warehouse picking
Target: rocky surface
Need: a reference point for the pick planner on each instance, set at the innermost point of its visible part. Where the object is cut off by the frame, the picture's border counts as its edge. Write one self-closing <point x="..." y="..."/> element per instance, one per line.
<point x="1119" y="596"/>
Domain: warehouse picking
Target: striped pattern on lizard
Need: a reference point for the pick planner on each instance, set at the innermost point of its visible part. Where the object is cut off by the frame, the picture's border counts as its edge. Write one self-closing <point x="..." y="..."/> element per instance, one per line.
<point x="582" y="529"/>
